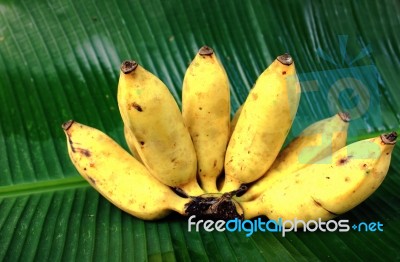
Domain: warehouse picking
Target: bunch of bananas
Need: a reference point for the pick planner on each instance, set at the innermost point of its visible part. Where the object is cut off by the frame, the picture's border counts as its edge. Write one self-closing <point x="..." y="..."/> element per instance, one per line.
<point x="199" y="161"/>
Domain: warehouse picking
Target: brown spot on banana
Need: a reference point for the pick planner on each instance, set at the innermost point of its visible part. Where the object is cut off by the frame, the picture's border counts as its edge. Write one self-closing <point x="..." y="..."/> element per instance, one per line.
<point x="343" y="160"/>
<point x="65" y="126"/>
<point x="321" y="206"/>
<point x="71" y="144"/>
<point x="92" y="180"/>
<point x="137" y="107"/>
<point x="83" y="151"/>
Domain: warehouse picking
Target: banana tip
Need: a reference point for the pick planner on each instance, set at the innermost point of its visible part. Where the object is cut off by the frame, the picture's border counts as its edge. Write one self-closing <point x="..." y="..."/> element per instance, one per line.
<point x="128" y="66"/>
<point x="389" y="138"/>
<point x="67" y="125"/>
<point x="206" y="50"/>
<point x="285" y="59"/>
<point x="344" y="116"/>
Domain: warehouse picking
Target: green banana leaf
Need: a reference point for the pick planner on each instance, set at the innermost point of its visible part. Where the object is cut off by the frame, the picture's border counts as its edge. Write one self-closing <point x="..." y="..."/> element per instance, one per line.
<point x="59" y="60"/>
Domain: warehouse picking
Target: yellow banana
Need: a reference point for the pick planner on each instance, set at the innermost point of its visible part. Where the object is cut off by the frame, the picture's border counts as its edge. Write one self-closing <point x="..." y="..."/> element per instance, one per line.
<point x="118" y="176"/>
<point x="160" y="136"/>
<point x="317" y="141"/>
<point x="130" y="141"/>
<point x="206" y="113"/>
<point x="235" y="119"/>
<point x="329" y="187"/>
<point x="263" y="124"/>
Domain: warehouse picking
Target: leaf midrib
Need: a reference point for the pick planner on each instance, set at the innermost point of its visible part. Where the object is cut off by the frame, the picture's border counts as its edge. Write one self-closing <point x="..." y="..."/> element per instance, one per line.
<point x="38" y="187"/>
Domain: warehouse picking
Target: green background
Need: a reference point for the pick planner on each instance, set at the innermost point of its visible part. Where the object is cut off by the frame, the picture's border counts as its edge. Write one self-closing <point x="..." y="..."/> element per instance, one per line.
<point x="60" y="60"/>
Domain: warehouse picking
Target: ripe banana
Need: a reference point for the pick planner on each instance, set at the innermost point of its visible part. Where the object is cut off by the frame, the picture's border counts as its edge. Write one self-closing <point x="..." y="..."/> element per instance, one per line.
<point x="130" y="141"/>
<point x="118" y="176"/>
<point x="329" y="187"/>
<point x="206" y="114"/>
<point x="317" y="141"/>
<point x="263" y="124"/>
<point x="235" y="119"/>
<point x="159" y="134"/>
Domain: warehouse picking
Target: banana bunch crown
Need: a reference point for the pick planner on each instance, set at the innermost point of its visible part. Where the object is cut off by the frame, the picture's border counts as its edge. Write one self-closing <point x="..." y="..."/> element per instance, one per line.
<point x="200" y="161"/>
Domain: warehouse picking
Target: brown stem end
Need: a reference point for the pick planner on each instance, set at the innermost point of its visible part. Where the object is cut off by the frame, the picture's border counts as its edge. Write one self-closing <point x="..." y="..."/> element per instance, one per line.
<point x="206" y="51"/>
<point x="344" y="116"/>
<point x="67" y="124"/>
<point x="285" y="59"/>
<point x="389" y="138"/>
<point x="128" y="66"/>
